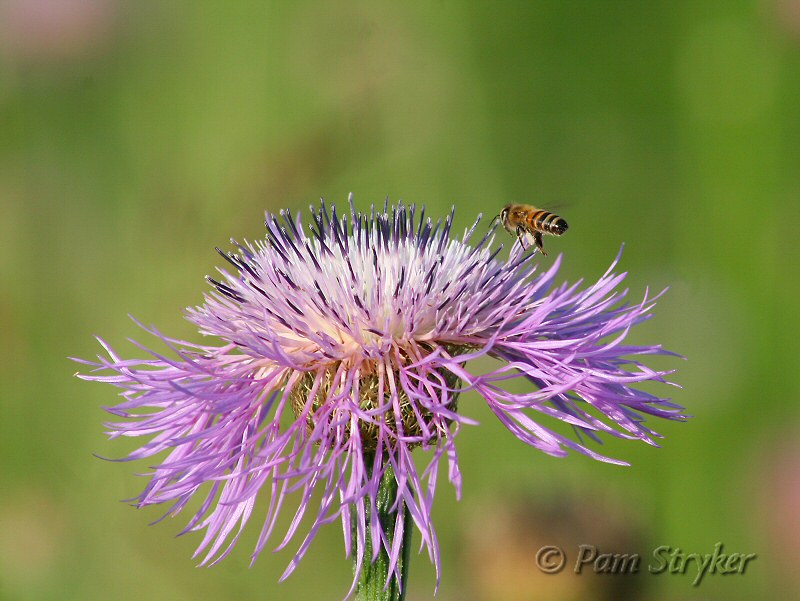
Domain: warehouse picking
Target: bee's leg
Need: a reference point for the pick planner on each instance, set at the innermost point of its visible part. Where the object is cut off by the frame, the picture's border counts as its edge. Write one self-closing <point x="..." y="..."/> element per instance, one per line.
<point x="520" y="235"/>
<point x="537" y="238"/>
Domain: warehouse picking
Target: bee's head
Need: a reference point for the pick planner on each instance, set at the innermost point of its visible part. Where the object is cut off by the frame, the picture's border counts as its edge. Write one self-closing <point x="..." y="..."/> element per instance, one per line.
<point x="503" y="216"/>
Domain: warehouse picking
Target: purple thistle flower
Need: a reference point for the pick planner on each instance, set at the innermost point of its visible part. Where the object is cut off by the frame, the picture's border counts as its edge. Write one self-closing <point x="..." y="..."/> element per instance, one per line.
<point x="343" y="348"/>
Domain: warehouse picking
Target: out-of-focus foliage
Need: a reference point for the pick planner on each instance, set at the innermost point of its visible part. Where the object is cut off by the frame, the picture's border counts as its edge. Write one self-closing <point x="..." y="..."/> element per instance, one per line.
<point x="134" y="137"/>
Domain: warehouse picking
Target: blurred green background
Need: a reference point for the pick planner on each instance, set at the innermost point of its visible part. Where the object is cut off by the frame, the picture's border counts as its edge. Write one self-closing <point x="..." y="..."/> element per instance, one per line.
<point x="134" y="137"/>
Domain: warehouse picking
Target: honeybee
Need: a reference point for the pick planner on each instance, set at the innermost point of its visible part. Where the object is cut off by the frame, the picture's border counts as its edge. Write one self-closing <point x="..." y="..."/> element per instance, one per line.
<point x="529" y="223"/>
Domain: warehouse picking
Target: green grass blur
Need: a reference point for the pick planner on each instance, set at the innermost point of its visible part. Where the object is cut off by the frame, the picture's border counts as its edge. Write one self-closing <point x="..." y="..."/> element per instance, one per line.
<point x="134" y="137"/>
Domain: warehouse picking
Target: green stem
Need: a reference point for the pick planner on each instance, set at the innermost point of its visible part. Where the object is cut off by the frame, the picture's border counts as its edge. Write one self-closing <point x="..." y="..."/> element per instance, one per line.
<point x="373" y="576"/>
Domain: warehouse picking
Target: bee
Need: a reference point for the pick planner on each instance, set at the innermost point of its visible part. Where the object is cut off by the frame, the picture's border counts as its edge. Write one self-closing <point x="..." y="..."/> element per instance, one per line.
<point x="529" y="223"/>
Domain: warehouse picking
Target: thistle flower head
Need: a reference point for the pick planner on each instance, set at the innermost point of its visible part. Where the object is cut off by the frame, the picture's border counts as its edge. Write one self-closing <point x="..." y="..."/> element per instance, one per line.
<point x="343" y="347"/>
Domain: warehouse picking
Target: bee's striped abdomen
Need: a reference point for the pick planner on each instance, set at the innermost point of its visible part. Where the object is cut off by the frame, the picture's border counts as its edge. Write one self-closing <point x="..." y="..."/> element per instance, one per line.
<point x="547" y="222"/>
